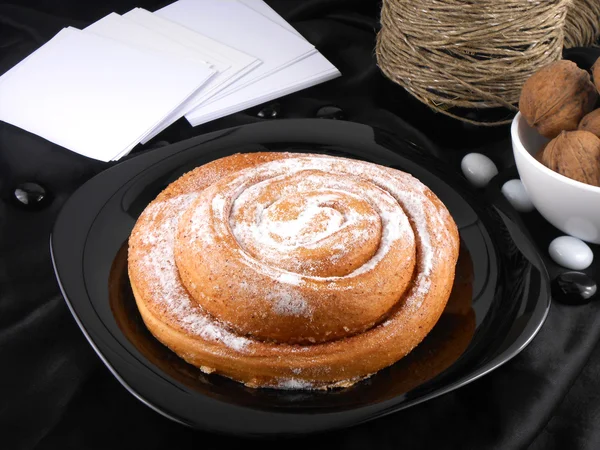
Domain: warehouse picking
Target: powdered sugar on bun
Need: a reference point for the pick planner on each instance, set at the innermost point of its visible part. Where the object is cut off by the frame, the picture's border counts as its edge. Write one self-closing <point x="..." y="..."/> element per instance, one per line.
<point x="289" y="254"/>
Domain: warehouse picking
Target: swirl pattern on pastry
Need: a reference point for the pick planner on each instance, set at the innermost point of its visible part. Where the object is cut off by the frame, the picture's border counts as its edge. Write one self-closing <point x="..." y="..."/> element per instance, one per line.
<point x="293" y="270"/>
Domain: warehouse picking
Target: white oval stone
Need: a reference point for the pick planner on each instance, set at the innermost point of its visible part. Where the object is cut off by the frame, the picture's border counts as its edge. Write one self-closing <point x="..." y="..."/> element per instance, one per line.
<point x="515" y="193"/>
<point x="571" y="253"/>
<point x="479" y="169"/>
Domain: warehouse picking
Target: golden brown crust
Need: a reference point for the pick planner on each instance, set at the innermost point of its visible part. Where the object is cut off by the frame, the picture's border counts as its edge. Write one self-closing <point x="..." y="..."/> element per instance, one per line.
<point x="216" y="336"/>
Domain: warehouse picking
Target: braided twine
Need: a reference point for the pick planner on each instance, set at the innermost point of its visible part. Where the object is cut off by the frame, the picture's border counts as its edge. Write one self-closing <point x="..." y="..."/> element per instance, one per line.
<point x="468" y="53"/>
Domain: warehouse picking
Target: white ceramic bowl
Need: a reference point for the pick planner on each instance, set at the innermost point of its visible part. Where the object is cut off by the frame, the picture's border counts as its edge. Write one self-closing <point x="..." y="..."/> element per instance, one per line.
<point x="569" y="205"/>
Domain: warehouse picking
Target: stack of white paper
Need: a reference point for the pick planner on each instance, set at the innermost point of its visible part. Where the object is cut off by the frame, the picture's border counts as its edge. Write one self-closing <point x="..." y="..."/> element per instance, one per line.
<point x="122" y="80"/>
<point x="309" y="70"/>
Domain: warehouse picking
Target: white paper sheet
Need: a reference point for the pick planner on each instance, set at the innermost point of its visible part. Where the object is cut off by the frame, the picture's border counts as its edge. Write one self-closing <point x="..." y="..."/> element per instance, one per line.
<point x="115" y="27"/>
<point x="239" y="26"/>
<point x="262" y="8"/>
<point x="213" y="51"/>
<point x="93" y="95"/>
<point x="313" y="70"/>
<point x="266" y="90"/>
<point x="230" y="63"/>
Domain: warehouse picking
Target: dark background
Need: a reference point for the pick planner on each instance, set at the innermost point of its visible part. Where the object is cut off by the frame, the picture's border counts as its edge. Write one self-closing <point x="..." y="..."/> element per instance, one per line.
<point x="55" y="393"/>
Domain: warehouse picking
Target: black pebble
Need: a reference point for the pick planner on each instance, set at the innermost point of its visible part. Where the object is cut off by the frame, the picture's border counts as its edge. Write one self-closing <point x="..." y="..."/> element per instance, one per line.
<point x="270" y="111"/>
<point x="30" y="195"/>
<point x="330" y="112"/>
<point x="573" y="288"/>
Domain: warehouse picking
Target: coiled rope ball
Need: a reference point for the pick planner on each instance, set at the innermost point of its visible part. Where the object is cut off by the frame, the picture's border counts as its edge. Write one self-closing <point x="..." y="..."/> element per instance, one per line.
<point x="468" y="53"/>
<point x="583" y="24"/>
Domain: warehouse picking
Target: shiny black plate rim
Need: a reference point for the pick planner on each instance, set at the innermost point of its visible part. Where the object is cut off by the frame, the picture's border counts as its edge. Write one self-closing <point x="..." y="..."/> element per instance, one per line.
<point x="342" y="420"/>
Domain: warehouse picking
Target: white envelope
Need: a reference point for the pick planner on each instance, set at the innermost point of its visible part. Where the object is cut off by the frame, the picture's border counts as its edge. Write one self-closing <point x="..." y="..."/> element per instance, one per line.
<point x="308" y="72"/>
<point x="262" y="8"/>
<point x="115" y="27"/>
<point x="312" y="70"/>
<point x="230" y="63"/>
<point x="239" y="63"/>
<point x="93" y="95"/>
<point x="239" y="26"/>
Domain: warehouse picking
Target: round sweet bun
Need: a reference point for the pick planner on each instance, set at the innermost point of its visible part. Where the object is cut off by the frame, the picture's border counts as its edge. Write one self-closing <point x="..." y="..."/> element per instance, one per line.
<point x="293" y="271"/>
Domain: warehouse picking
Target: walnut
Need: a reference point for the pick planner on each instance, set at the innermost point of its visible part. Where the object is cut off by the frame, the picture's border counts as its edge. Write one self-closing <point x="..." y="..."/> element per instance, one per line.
<point x="574" y="154"/>
<point x="591" y="122"/>
<point x="538" y="156"/>
<point x="596" y="73"/>
<point x="556" y="98"/>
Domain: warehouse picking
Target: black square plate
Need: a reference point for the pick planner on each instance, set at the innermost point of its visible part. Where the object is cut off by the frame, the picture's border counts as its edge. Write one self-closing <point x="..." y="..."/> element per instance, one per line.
<point x="500" y="301"/>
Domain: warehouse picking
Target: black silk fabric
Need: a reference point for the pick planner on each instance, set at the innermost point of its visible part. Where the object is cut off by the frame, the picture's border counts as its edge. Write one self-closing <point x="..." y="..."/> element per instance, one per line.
<point x="55" y="393"/>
